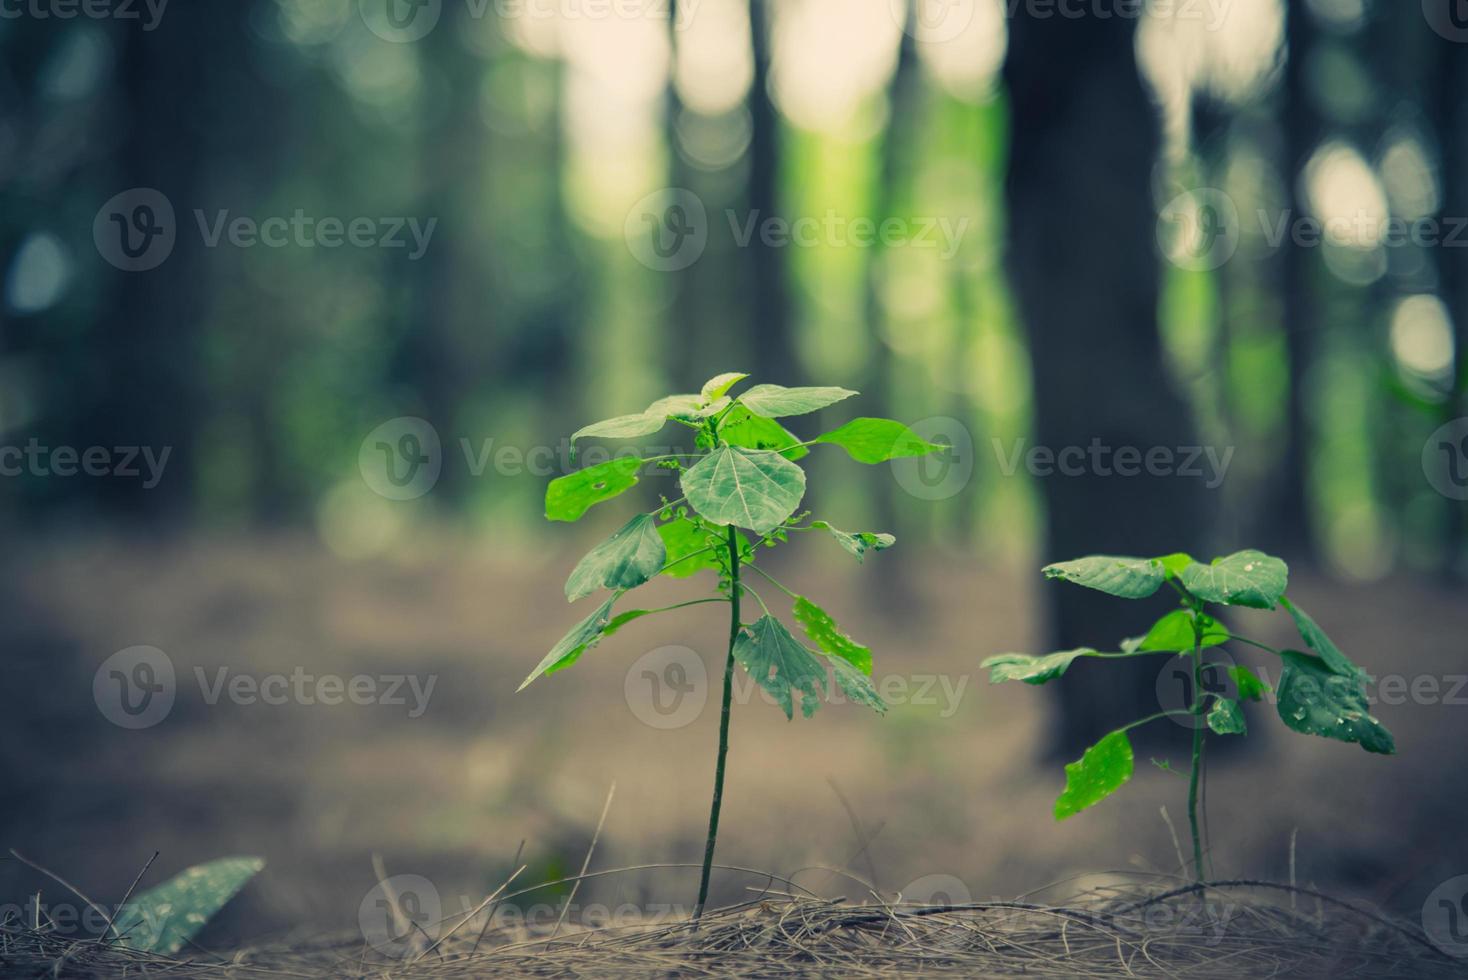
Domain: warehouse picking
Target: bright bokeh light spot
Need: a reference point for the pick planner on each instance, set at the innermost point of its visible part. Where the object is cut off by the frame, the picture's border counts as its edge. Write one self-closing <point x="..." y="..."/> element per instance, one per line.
<point x="715" y="62"/>
<point x="1229" y="50"/>
<point x="81" y="60"/>
<point x="831" y="57"/>
<point x="383" y="77"/>
<point x="1345" y="195"/>
<point x="1422" y="337"/>
<point x="310" y="22"/>
<point x="967" y="66"/>
<point x="1408" y="178"/>
<point x="1340" y="15"/>
<point x="39" y="274"/>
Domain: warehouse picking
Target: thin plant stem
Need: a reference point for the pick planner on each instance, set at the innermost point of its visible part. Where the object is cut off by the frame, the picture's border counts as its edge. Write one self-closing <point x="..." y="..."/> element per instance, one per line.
<point x="1198" y="735"/>
<point x="708" y="851"/>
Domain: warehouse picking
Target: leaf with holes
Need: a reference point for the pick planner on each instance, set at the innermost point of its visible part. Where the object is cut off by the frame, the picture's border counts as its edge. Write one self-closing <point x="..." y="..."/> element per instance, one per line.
<point x="1102" y="770"/>
<point x="780" y="665"/>
<point x="861" y="542"/>
<point x="571" y="496"/>
<point x="1226" y="717"/>
<point x="757" y="490"/>
<point x="624" y="561"/>
<point x="827" y="636"/>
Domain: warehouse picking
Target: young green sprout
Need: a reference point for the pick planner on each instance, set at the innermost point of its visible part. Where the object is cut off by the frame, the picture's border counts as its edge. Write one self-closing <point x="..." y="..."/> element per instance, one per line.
<point x="1320" y="693"/>
<point x="743" y="478"/>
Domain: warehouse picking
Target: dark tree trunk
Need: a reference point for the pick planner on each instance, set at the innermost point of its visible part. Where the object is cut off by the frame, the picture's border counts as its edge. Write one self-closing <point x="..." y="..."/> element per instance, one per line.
<point x="1083" y="260"/>
<point x="1448" y="78"/>
<point x="772" y="353"/>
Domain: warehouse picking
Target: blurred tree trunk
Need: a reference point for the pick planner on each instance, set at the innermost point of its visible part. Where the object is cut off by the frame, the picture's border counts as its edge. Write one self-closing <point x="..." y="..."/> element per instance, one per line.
<point x="1083" y="261"/>
<point x="894" y="172"/>
<point x="683" y="328"/>
<point x="1448" y="80"/>
<point x="773" y="348"/>
<point x="1285" y="520"/>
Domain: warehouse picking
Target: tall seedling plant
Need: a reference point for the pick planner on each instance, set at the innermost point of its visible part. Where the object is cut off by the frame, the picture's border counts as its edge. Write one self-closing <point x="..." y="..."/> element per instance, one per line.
<point x="744" y="478"/>
<point x="1320" y="693"/>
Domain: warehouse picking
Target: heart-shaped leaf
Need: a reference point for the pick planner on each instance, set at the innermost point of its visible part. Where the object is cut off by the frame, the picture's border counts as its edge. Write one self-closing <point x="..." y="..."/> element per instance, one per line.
<point x="747" y="488"/>
<point x="1101" y="771"/>
<point x="741" y="428"/>
<point x="624" y="561"/>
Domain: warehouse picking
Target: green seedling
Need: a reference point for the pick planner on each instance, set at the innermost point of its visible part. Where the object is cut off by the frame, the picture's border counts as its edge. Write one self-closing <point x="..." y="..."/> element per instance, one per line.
<point x="743" y="478"/>
<point x="1320" y="692"/>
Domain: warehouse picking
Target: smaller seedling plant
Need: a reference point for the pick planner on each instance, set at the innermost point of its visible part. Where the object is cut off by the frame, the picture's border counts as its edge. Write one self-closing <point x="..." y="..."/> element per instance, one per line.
<point x="1320" y="693"/>
<point x="744" y="478"/>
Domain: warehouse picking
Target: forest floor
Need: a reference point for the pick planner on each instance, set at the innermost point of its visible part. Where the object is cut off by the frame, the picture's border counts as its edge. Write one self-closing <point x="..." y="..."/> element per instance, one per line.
<point x="945" y="800"/>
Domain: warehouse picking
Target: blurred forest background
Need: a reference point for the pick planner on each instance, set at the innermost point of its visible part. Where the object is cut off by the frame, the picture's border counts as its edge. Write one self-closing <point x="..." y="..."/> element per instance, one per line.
<point x="1096" y="165"/>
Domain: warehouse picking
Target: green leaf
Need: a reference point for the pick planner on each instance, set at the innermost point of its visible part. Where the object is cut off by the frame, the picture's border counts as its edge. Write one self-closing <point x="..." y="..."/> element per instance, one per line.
<point x="717" y="387"/>
<point x="161" y="920"/>
<point x="1315" y="700"/>
<point x="1101" y="771"/>
<point x="1249" y="686"/>
<point x="757" y="490"/>
<point x="624" y="561"/>
<point x="1321" y="644"/>
<point x="1247" y="578"/>
<point x="622" y="427"/>
<point x="780" y="665"/>
<point x="1032" y="669"/>
<point x="856" y="685"/>
<point x="827" y="636"/>
<point x="741" y="428"/>
<point x="861" y="542"/>
<point x="582" y="637"/>
<point x="675" y="406"/>
<point x="571" y="496"/>
<point x="1226" y="718"/>
<point x="1175" y="563"/>
<point x="622" y="619"/>
<point x="1127" y="578"/>
<point x="777" y="401"/>
<point x="1173" y="633"/>
<point x="878" y="440"/>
